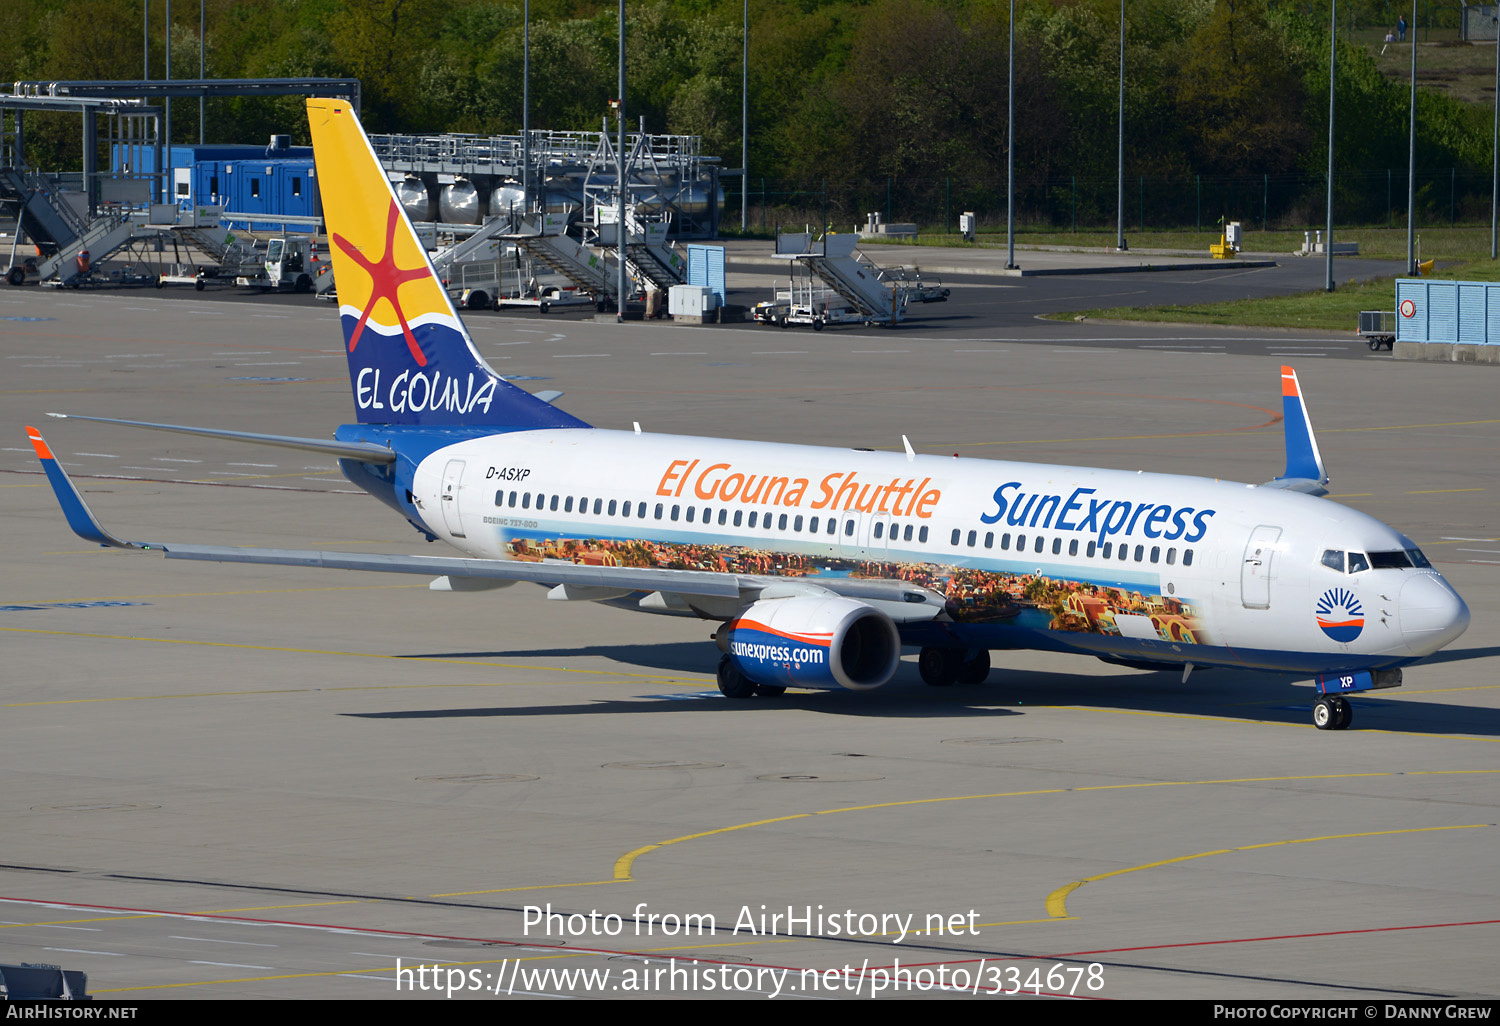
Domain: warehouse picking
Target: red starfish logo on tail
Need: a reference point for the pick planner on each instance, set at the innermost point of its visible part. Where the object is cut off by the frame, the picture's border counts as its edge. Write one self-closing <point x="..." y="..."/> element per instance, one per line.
<point x="386" y="280"/>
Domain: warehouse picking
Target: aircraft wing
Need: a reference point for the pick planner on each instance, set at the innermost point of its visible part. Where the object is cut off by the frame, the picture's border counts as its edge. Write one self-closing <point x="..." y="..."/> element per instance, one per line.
<point x="679" y="589"/>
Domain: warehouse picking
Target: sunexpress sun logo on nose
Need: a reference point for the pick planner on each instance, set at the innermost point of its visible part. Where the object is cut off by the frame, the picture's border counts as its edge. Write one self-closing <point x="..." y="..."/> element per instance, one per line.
<point x="1340" y="616"/>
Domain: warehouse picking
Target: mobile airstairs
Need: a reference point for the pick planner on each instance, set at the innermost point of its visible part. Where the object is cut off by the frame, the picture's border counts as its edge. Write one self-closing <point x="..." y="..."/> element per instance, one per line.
<point x="543" y="237"/>
<point x="649" y="257"/>
<point x="47" y="216"/>
<point x="852" y="275"/>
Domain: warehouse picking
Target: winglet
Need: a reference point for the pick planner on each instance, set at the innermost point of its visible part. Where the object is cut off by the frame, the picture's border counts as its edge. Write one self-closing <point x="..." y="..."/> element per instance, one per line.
<point x="1303" y="461"/>
<point x="80" y="518"/>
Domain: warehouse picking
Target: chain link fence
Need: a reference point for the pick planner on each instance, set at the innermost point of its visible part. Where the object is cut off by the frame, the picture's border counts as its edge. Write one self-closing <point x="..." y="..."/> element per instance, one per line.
<point x="1374" y="198"/>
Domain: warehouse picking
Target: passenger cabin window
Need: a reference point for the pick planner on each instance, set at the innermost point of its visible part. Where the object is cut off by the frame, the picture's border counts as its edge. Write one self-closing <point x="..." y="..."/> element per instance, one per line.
<point x="1187" y="557"/>
<point x="954" y="539"/>
<point x="879" y="527"/>
<point x="739" y="516"/>
<point x="568" y="504"/>
<point x="1040" y="542"/>
<point x="924" y="533"/>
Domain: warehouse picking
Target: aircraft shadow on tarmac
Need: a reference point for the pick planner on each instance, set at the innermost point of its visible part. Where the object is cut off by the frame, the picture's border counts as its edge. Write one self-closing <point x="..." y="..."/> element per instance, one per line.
<point x="1223" y="694"/>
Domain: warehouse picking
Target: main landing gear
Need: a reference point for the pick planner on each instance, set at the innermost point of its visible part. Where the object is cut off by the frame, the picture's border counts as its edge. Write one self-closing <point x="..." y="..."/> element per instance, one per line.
<point x="734" y="684"/>
<point x="1332" y="712"/>
<point x="941" y="667"/>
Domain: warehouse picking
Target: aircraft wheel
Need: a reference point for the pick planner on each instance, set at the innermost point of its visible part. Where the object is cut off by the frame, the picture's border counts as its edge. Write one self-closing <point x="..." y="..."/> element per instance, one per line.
<point x="1325" y="714"/>
<point x="1343" y="713"/>
<point x="16" y="275"/>
<point x="733" y="683"/>
<point x="770" y="690"/>
<point x="938" y="666"/>
<point x="974" y="671"/>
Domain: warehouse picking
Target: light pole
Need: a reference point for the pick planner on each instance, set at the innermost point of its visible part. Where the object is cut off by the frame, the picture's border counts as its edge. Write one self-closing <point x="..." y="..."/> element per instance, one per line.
<point x="1010" y="149"/>
<point x="1495" y="158"/>
<point x="1411" y="155"/>
<point x="620" y="227"/>
<point x="1120" y="237"/>
<point x="1333" y="24"/>
<point x="745" y="116"/>
<point x="525" y="111"/>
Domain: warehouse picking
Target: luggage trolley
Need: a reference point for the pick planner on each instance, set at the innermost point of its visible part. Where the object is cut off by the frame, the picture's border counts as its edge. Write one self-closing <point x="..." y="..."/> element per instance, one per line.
<point x="1378" y="328"/>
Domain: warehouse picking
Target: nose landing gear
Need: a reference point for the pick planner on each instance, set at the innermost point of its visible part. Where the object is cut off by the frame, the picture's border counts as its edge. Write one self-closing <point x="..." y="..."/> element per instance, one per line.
<point x="1332" y="712"/>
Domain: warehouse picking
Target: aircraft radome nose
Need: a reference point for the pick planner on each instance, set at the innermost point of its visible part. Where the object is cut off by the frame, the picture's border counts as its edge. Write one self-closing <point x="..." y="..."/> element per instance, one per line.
<point x="1432" y="614"/>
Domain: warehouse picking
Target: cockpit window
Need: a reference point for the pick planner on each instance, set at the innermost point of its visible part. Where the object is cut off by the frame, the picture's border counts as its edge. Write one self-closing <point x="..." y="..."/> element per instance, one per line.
<point x="1334" y="560"/>
<point x="1357" y="562"/>
<point x="1389" y="560"/>
<point x="1417" y="559"/>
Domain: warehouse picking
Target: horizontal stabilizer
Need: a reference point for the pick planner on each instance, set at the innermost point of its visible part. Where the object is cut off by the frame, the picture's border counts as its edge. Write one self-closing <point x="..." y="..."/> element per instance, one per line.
<point x="365" y="452"/>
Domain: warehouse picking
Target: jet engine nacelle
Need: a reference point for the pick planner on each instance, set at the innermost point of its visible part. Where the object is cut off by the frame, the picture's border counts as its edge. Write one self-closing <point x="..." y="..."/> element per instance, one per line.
<point x="813" y="642"/>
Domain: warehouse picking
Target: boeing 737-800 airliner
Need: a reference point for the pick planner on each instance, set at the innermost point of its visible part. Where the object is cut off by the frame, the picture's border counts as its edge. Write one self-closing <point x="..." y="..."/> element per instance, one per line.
<point x="822" y="563"/>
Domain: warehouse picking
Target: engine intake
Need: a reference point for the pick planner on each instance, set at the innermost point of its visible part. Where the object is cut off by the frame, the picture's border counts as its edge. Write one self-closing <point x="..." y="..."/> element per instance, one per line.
<point x="811" y="642"/>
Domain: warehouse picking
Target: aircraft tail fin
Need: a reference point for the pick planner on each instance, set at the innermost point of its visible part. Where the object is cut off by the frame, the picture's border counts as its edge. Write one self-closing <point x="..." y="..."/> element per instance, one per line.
<point x="411" y="360"/>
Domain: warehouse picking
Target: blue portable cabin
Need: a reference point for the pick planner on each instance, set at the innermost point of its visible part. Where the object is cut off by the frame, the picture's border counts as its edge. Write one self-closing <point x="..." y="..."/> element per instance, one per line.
<point x="1451" y="312"/>
<point x="269" y="187"/>
<point x="193" y="168"/>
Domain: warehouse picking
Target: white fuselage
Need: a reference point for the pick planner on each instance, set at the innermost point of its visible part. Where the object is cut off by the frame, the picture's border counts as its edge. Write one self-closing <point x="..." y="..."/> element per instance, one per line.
<point x="1169" y="568"/>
